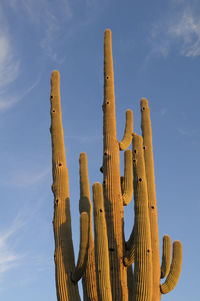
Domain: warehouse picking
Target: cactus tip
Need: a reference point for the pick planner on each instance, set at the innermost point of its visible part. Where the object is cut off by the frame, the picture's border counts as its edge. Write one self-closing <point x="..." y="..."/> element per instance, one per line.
<point x="97" y="185"/>
<point x="107" y="32"/>
<point x="144" y="103"/>
<point x="137" y="138"/>
<point x="55" y="76"/>
<point x="83" y="155"/>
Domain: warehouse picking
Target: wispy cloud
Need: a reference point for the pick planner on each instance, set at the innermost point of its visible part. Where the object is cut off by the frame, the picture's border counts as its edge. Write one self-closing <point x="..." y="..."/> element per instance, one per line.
<point x="9" y="64"/>
<point x="25" y="178"/>
<point x="9" y="67"/>
<point x="7" y="101"/>
<point x="57" y="21"/>
<point x="51" y="17"/>
<point x="163" y="112"/>
<point x="9" y="258"/>
<point x="179" y="31"/>
<point x="186" y="132"/>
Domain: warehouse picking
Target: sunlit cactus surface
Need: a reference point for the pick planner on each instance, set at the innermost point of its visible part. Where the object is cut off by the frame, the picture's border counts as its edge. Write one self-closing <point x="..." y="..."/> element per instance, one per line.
<point x="110" y="267"/>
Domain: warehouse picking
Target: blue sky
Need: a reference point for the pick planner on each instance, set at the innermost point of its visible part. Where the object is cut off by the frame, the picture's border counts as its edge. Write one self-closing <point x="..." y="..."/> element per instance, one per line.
<point x="156" y="50"/>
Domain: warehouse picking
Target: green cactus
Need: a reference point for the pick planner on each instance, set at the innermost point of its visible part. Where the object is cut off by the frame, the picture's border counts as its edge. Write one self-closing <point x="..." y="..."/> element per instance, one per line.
<point x="105" y="262"/>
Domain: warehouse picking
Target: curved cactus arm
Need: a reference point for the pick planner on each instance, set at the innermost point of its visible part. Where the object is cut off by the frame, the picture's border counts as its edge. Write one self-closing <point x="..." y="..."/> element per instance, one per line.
<point x="89" y="276"/>
<point x="142" y="236"/>
<point x="166" y="256"/>
<point x="128" y="177"/>
<point x="101" y="245"/>
<point x="175" y="269"/>
<point x="127" y="139"/>
<point x="83" y="249"/>
<point x="64" y="253"/>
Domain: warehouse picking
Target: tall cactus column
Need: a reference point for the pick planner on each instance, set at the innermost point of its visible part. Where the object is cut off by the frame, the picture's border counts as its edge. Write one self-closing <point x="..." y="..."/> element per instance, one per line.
<point x="111" y="180"/>
<point x="89" y="275"/>
<point x="64" y="253"/>
<point x="149" y="167"/>
<point x="142" y="281"/>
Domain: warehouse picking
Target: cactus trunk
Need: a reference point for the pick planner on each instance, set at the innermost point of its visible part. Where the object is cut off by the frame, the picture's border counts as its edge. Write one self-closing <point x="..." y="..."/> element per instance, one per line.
<point x="111" y="180"/>
<point x="64" y="253"/>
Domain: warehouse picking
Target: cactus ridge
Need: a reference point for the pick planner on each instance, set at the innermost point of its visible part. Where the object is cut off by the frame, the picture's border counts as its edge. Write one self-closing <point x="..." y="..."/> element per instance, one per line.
<point x="105" y="261"/>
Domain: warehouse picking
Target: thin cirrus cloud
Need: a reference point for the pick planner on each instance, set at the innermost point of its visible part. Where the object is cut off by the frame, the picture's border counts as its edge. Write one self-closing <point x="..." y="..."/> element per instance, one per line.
<point x="9" y="258"/>
<point x="179" y="32"/>
<point x="27" y="178"/>
<point x="9" y="65"/>
<point x="9" y="68"/>
<point x="50" y="17"/>
<point x="7" y="101"/>
<point x="187" y="30"/>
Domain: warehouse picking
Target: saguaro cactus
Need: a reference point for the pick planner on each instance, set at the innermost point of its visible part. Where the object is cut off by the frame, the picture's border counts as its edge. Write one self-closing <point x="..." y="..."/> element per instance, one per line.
<point x="105" y="262"/>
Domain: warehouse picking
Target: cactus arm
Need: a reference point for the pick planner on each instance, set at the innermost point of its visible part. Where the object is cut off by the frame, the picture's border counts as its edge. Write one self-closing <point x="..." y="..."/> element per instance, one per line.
<point x="83" y="249"/>
<point x="166" y="256"/>
<point x="64" y="253"/>
<point x="127" y="139"/>
<point x="101" y="245"/>
<point x="142" y="236"/>
<point x="129" y="256"/>
<point x="175" y="269"/>
<point x="130" y="242"/>
<point x="89" y="277"/>
<point x="128" y="178"/>
<point x="111" y="180"/>
<point x="149" y="167"/>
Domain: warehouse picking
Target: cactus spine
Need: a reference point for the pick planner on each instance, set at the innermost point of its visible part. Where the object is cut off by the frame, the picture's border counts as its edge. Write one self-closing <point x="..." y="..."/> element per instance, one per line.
<point x="105" y="263"/>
